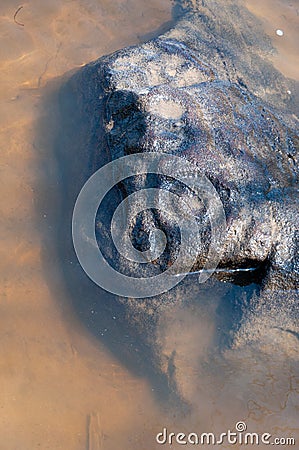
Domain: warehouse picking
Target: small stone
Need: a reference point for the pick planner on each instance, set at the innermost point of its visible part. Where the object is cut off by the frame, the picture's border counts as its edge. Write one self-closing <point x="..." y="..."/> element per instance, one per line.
<point x="279" y="32"/>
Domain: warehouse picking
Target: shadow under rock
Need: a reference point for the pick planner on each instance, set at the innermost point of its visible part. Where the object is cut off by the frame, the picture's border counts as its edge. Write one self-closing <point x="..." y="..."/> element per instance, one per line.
<point x="72" y="138"/>
<point x="65" y="136"/>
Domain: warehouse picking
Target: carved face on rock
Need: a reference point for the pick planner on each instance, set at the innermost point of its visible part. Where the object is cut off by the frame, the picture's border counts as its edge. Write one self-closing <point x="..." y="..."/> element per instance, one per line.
<point x="160" y="97"/>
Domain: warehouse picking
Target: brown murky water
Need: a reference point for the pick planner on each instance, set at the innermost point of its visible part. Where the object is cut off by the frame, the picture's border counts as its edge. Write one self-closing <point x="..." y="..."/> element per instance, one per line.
<point x="60" y="387"/>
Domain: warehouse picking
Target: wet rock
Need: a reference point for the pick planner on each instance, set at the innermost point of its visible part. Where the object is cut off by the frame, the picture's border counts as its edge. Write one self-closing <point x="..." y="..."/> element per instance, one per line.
<point x="206" y="91"/>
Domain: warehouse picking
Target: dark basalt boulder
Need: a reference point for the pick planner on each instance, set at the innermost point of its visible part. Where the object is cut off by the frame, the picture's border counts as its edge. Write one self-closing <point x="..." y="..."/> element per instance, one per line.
<point x="206" y="91"/>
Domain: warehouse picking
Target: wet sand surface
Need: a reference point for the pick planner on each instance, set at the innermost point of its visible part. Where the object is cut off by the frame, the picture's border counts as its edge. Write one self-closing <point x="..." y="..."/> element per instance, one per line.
<point x="61" y="388"/>
<point x="277" y="15"/>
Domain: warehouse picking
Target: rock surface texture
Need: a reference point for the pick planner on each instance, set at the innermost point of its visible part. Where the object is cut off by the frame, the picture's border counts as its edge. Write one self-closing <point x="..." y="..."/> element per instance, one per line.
<point x="207" y="91"/>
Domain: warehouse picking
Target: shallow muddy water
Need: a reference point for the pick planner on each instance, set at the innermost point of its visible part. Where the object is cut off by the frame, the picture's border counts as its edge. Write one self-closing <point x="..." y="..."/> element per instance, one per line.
<point x="68" y="379"/>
